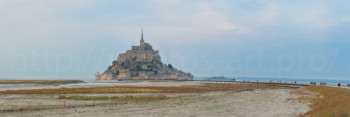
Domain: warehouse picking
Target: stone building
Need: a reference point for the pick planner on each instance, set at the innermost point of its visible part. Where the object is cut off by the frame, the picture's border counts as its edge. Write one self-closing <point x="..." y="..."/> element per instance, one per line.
<point x="107" y="75"/>
<point x="142" y="62"/>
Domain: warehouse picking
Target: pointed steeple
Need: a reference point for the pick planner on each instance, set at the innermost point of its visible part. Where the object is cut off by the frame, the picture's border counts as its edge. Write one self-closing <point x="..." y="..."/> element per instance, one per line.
<point x="142" y="41"/>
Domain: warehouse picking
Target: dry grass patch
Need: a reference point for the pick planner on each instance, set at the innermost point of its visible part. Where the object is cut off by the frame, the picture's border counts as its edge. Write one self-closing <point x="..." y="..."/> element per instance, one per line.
<point x="208" y="87"/>
<point x="333" y="102"/>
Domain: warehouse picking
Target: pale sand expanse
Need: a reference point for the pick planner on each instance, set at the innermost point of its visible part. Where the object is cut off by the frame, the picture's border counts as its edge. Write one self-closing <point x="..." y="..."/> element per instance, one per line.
<point x="138" y="84"/>
<point x="258" y="103"/>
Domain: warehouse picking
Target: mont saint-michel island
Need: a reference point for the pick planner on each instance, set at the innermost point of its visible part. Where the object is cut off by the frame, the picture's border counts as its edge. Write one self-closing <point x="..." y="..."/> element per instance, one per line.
<point x="142" y="62"/>
<point x="195" y="58"/>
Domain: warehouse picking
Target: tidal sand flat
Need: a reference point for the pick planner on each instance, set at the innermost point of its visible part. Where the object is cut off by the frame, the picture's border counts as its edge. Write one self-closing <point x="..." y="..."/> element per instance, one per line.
<point x="170" y="99"/>
<point x="11" y="86"/>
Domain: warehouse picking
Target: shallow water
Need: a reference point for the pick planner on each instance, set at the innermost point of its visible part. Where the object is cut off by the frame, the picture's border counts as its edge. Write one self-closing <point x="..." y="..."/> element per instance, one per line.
<point x="21" y="85"/>
<point x="87" y="83"/>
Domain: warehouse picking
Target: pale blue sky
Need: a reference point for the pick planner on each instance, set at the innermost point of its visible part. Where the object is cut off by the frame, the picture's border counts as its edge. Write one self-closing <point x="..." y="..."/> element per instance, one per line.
<point x="73" y="39"/>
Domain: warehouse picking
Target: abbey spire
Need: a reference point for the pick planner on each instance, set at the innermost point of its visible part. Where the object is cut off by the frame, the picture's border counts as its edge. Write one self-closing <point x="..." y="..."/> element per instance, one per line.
<point x="142" y="41"/>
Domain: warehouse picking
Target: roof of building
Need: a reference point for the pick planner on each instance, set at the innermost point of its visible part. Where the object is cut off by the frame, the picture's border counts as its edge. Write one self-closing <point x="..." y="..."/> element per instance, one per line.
<point x="108" y="72"/>
<point x="135" y="47"/>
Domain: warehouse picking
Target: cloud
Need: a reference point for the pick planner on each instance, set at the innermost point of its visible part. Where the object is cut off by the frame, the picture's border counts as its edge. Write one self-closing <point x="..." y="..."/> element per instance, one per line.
<point x="67" y="27"/>
<point x="345" y="19"/>
<point x="34" y="21"/>
<point x="192" y="22"/>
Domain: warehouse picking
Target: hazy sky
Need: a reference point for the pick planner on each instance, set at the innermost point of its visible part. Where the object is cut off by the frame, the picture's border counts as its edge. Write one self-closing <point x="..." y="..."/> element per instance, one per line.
<point x="73" y="39"/>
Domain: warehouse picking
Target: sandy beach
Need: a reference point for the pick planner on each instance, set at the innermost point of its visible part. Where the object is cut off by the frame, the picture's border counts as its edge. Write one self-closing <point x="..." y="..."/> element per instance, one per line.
<point x="259" y="102"/>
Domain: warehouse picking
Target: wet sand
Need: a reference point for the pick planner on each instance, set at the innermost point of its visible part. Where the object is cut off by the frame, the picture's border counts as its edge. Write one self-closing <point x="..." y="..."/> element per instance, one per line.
<point x="136" y="84"/>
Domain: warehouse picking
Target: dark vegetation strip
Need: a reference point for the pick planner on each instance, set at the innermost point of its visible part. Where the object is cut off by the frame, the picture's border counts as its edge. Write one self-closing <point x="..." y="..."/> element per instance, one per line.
<point x="126" y="98"/>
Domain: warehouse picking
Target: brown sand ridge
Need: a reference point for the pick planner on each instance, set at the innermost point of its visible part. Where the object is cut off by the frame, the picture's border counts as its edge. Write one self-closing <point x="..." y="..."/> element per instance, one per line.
<point x="208" y="87"/>
<point x="332" y="102"/>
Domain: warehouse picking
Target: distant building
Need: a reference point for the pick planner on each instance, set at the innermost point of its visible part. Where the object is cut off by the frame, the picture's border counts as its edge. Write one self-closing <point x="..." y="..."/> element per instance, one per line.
<point x="107" y="75"/>
<point x="144" y="63"/>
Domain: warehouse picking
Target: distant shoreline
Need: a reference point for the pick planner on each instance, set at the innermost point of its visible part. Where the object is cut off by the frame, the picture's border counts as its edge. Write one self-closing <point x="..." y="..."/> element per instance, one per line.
<point x="40" y="81"/>
<point x="267" y="79"/>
